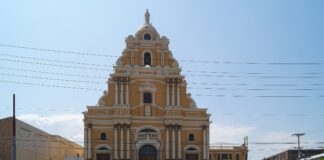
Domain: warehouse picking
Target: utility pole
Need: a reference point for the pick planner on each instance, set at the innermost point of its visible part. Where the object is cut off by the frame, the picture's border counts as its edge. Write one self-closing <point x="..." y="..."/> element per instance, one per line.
<point x="298" y="135"/>
<point x="14" y="127"/>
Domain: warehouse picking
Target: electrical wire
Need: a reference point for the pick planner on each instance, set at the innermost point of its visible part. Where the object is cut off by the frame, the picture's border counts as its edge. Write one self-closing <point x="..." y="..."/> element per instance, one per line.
<point x="53" y="73"/>
<point x="194" y="75"/>
<point x="54" y="65"/>
<point x="58" y="61"/>
<point x="222" y="74"/>
<point x="50" y="85"/>
<point x="57" y="51"/>
<point x="183" y="60"/>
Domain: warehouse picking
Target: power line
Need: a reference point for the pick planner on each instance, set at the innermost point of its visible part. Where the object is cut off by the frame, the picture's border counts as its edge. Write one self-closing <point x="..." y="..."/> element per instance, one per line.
<point x="267" y="114"/>
<point x="183" y="60"/>
<point x="76" y="148"/>
<point x="51" y="60"/>
<point x="48" y="78"/>
<point x="198" y="95"/>
<point x="193" y="83"/>
<point x="205" y="88"/>
<point x="199" y="75"/>
<point x="95" y="140"/>
<point x="58" y="51"/>
<point x="56" y="65"/>
<point x="256" y="89"/>
<point x="222" y="74"/>
<point x="53" y="73"/>
<point x="250" y="63"/>
<point x="49" y="85"/>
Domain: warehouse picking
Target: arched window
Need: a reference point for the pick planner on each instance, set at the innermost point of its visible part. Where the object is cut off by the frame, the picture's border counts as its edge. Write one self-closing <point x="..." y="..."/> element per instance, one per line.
<point x="191" y="149"/>
<point x="103" y="136"/>
<point x="147" y="130"/>
<point x="103" y="148"/>
<point x="147" y="59"/>
<point x="191" y="137"/>
<point x="147" y="97"/>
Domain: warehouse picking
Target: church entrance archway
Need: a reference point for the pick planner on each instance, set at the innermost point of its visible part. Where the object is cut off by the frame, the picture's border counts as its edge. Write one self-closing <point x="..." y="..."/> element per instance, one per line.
<point x="102" y="152"/>
<point x="191" y="156"/>
<point x="148" y="152"/>
<point x="191" y="152"/>
<point x="103" y="156"/>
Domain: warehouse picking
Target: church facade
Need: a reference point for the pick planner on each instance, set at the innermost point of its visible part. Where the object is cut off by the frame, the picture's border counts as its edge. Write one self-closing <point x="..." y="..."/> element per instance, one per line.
<point x="146" y="112"/>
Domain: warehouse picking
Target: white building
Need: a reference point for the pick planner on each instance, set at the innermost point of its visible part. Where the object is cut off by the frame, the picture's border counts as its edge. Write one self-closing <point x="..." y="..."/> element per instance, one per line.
<point x="316" y="157"/>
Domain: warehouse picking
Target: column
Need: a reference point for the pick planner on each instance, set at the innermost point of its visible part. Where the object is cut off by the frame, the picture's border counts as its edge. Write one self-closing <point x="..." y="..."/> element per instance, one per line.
<point x="132" y="58"/>
<point x="173" y="144"/>
<point x="115" y="143"/>
<point x="204" y="143"/>
<point x="167" y="93"/>
<point x="121" y="142"/>
<point x="128" y="144"/>
<point x="179" y="144"/>
<point x="86" y="143"/>
<point x="162" y="58"/>
<point x="178" y="93"/>
<point x="127" y="94"/>
<point x="207" y="144"/>
<point x="167" y="143"/>
<point x="122" y="92"/>
<point x="172" y="94"/>
<point x="116" y="93"/>
<point x="89" y="141"/>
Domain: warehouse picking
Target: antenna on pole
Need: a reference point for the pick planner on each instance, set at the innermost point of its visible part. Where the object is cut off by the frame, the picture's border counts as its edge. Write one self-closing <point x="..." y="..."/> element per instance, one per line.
<point x="298" y="135"/>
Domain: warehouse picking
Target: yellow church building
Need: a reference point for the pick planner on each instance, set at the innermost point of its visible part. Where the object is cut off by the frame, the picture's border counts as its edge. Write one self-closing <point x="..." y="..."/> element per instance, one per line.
<point x="146" y="112"/>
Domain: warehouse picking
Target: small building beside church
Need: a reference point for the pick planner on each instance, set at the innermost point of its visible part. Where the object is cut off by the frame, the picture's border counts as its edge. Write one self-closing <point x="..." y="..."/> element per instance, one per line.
<point x="35" y="144"/>
<point x="229" y="152"/>
<point x="146" y="112"/>
<point x="292" y="154"/>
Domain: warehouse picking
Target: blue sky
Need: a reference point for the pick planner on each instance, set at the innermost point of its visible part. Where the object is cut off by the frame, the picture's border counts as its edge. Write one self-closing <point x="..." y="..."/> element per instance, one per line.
<point x="262" y="62"/>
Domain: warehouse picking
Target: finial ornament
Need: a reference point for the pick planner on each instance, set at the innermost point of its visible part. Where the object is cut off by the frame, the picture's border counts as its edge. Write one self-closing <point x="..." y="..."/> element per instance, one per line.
<point x="147" y="17"/>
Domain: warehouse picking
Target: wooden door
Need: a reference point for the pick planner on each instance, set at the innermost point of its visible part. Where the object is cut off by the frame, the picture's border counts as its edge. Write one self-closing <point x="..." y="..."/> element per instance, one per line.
<point x="103" y="156"/>
<point x="191" y="157"/>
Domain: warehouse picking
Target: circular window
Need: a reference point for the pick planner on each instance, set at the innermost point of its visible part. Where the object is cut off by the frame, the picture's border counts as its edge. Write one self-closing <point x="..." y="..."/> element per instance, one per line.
<point x="147" y="36"/>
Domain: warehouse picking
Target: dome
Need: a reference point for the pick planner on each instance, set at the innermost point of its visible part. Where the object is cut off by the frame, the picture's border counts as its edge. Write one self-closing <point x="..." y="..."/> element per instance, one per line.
<point x="147" y="31"/>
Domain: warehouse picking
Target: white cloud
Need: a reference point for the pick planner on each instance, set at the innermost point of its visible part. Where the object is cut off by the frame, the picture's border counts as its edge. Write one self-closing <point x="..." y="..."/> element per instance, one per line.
<point x="69" y="126"/>
<point x="228" y="134"/>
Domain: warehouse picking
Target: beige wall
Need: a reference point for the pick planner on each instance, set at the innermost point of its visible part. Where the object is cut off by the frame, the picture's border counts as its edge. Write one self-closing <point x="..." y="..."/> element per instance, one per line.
<point x="34" y="144"/>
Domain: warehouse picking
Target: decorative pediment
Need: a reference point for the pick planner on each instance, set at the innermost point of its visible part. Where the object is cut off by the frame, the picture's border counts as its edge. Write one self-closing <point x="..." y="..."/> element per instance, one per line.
<point x="173" y="122"/>
<point x="147" y="86"/>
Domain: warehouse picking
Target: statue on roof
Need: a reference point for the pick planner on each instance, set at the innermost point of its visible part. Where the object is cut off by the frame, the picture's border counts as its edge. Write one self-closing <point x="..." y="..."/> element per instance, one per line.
<point x="147" y="17"/>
